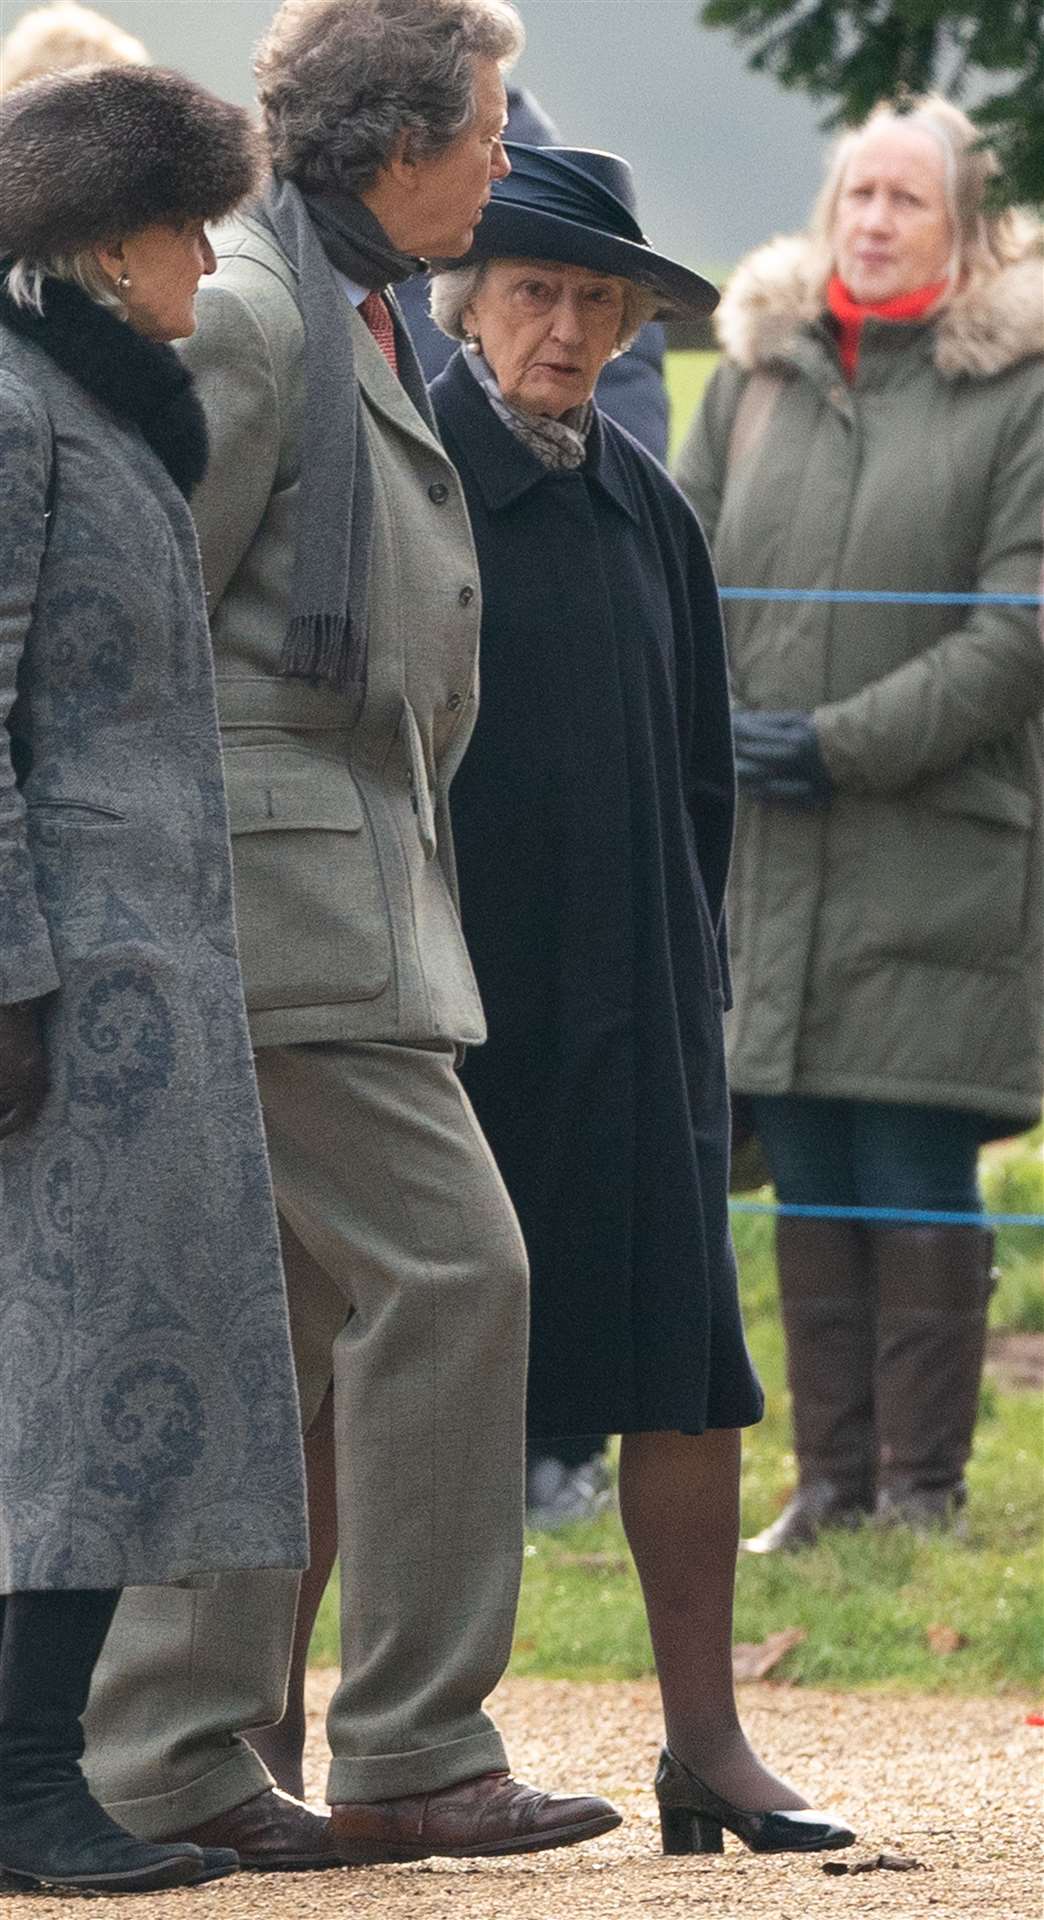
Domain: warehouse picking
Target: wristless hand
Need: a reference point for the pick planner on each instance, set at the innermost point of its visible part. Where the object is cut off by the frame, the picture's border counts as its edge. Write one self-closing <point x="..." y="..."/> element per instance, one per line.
<point x="778" y="758"/>
<point x="23" y="1066"/>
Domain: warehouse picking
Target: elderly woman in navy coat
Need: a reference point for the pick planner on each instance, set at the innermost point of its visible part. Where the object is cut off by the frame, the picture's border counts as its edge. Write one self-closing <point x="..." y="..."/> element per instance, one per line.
<point x="593" y="817"/>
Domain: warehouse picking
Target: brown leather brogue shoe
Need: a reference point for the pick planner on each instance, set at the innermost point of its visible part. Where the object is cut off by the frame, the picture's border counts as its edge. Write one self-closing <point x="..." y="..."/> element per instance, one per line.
<point x="272" y="1833"/>
<point x="491" y="1813"/>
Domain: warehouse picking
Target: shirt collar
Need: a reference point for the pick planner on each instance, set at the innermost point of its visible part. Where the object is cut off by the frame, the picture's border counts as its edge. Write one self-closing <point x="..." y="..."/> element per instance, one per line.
<point x="355" y="292"/>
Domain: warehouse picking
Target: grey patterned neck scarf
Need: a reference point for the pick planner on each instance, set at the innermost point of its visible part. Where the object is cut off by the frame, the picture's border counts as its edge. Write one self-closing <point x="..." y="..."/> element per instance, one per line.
<point x="325" y="640"/>
<point x="559" y="444"/>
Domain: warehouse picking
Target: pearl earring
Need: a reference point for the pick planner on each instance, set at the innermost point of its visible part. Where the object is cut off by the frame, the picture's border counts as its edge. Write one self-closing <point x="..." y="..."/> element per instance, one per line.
<point x="123" y="283"/>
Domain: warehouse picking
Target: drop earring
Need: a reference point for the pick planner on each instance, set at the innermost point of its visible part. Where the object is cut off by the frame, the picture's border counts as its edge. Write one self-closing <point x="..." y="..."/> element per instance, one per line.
<point x="123" y="283"/>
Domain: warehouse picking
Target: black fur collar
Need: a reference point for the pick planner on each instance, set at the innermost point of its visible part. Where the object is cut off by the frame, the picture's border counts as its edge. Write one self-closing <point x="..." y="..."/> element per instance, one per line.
<point x="135" y="378"/>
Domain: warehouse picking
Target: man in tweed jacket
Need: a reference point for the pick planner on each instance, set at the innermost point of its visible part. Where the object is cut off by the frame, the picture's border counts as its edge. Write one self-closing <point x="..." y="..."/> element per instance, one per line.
<point x="406" y="1272"/>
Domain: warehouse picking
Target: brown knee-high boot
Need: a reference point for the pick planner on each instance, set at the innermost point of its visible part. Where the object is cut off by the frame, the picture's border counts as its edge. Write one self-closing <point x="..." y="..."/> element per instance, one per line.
<point x="934" y="1287"/>
<point x="827" y="1296"/>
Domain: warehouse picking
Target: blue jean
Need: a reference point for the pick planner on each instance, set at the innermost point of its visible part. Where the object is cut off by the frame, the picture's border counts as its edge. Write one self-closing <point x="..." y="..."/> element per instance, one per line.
<point x="867" y="1153"/>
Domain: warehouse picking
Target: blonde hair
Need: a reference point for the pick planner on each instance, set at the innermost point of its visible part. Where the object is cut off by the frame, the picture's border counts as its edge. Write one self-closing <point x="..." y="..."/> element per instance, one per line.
<point x="985" y="238"/>
<point x="52" y="39"/>
<point x="455" y="289"/>
<point x="26" y="280"/>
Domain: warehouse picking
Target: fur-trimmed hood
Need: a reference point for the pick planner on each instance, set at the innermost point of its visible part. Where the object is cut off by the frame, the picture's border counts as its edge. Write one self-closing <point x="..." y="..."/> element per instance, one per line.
<point x="778" y="290"/>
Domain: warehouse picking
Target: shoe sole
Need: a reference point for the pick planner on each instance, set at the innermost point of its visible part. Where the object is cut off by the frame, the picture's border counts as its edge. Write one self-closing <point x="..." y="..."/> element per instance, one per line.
<point x="376" y="1856"/>
<point x="294" y="1863"/>
<point x="156" y="1881"/>
<point x="814" y="1846"/>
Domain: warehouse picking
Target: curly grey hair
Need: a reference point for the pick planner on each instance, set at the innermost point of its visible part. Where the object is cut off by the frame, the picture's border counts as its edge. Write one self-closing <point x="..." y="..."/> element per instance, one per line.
<point x="455" y="289"/>
<point x="340" y="81"/>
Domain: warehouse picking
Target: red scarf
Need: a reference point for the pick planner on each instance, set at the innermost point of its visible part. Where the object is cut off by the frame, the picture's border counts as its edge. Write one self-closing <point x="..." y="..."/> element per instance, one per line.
<point x="850" y="314"/>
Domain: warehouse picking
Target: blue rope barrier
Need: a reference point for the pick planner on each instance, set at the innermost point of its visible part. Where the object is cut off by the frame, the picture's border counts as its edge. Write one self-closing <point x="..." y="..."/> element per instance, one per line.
<point x="907" y="1216"/>
<point x="845" y="596"/>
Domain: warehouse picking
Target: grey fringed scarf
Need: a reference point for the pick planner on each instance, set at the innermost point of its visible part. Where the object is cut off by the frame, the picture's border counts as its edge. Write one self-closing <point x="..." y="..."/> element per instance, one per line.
<point x="322" y="236"/>
<point x="558" y="444"/>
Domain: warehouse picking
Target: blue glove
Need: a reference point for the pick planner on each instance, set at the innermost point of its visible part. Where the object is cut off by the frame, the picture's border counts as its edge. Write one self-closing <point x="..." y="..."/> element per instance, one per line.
<point x="778" y="758"/>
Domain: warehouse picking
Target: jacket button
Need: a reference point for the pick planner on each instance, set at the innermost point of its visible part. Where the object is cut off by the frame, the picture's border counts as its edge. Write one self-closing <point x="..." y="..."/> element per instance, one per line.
<point x="466" y="596"/>
<point x="454" y="703"/>
<point x="439" y="492"/>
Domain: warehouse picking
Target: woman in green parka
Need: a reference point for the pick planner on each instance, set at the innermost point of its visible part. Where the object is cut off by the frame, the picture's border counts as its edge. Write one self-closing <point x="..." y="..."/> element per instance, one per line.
<point x="876" y="424"/>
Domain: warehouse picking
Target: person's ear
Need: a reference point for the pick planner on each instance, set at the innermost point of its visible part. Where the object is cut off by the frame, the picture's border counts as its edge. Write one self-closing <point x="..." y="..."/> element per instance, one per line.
<point x="400" y="168"/>
<point x="113" y="263"/>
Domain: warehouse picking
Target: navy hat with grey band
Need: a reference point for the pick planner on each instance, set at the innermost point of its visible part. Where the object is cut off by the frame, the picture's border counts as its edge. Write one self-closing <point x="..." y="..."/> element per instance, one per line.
<point x="577" y="206"/>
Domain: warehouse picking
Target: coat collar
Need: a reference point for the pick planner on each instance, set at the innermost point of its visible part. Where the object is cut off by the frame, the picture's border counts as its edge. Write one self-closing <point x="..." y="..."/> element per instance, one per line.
<point x="504" y="469"/>
<point x="777" y="294"/>
<point x="142" y="383"/>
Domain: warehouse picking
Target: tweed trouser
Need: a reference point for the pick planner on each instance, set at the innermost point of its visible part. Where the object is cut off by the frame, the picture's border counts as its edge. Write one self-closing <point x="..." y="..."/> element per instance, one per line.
<point x="406" y="1277"/>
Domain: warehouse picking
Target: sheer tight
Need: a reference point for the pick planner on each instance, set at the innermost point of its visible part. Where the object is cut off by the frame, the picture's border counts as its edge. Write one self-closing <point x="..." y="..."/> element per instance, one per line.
<point x="679" y="1501"/>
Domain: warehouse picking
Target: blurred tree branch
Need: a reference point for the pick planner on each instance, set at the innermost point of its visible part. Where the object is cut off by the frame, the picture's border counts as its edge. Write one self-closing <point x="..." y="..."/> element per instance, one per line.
<point x="856" y="52"/>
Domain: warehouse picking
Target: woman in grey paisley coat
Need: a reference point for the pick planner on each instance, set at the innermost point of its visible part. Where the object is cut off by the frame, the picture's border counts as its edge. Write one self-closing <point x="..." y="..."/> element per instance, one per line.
<point x="148" y="1416"/>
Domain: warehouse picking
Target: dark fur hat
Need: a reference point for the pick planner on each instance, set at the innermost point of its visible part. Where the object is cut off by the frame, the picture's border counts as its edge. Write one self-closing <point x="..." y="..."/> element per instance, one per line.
<point x="98" y="153"/>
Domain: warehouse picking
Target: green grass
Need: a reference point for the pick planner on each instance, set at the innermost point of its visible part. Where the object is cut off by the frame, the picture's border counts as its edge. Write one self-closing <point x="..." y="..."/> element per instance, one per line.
<point x="865" y="1600"/>
<point x="687" y="375"/>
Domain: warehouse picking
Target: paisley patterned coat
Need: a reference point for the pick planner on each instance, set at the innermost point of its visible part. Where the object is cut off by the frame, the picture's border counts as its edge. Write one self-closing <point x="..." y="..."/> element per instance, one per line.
<point x="148" y="1418"/>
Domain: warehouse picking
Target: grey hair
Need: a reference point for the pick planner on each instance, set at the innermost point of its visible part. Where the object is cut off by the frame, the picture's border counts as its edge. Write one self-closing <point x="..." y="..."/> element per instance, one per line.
<point x="451" y="292"/>
<point x="341" y="81"/>
<point x="984" y="238"/>
<point x="455" y="289"/>
<point x="26" y="278"/>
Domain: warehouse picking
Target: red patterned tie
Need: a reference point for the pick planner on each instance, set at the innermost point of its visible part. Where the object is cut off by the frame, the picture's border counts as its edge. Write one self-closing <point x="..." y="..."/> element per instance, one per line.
<point x="378" y="318"/>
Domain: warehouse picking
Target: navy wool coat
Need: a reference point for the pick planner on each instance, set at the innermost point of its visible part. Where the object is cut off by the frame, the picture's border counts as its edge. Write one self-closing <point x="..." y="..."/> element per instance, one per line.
<point x="593" y="816"/>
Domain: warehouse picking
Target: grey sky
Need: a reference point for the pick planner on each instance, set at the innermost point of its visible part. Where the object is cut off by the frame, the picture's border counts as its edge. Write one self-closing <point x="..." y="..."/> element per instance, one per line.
<point x="723" y="158"/>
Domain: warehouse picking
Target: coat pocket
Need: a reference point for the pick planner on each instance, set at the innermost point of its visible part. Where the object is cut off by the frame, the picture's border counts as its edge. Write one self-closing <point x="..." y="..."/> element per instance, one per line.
<point x="311" y="913"/>
<point x="953" y="869"/>
<point x="78" y="811"/>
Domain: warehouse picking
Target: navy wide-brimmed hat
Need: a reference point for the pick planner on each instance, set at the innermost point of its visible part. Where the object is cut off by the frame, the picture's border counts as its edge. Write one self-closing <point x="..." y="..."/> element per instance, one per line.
<point x="578" y="206"/>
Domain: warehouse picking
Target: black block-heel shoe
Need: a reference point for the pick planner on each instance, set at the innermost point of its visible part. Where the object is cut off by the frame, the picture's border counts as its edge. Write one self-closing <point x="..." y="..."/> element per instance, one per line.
<point x="692" y="1818"/>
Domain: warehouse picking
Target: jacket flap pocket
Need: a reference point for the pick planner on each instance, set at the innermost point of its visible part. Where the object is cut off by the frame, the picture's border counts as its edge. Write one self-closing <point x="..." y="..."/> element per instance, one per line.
<point x="281" y="792"/>
<point x="979" y="795"/>
<point x="313" y="919"/>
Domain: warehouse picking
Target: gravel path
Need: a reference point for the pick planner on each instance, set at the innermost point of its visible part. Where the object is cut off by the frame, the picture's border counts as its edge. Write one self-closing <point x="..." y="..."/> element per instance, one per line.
<point x="952" y="1783"/>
